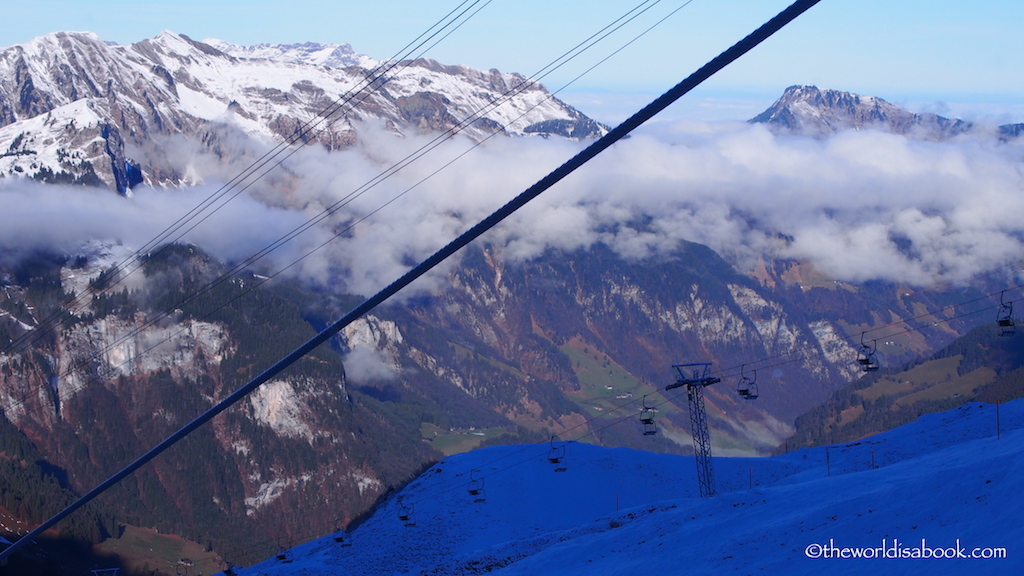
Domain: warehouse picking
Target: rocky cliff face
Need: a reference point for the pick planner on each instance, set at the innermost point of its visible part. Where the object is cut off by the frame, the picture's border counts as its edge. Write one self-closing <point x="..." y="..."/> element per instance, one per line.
<point x="115" y="378"/>
<point x="566" y="344"/>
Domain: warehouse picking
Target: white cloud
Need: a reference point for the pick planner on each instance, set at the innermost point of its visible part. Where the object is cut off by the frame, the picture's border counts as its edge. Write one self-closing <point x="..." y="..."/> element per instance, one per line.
<point x="365" y="365"/>
<point x="860" y="205"/>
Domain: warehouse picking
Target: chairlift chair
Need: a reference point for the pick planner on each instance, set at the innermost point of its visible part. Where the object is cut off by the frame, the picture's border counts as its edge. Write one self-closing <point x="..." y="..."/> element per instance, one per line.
<point x="556" y="455"/>
<point x="752" y="393"/>
<point x="230" y="570"/>
<point x="283" y="555"/>
<point x="476" y="487"/>
<point x="406" y="513"/>
<point x="647" y="419"/>
<point x="747" y="387"/>
<point x="339" y="534"/>
<point x="1004" y="317"/>
<point x="867" y="359"/>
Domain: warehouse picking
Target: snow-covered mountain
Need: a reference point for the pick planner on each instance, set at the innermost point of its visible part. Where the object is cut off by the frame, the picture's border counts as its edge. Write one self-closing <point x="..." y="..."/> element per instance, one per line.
<point x="814" y="111"/>
<point x="943" y="482"/>
<point x="78" y="110"/>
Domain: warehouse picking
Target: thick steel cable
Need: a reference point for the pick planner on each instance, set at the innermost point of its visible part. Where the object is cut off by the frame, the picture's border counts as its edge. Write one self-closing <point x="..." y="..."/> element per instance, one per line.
<point x="679" y="90"/>
<point x="373" y="182"/>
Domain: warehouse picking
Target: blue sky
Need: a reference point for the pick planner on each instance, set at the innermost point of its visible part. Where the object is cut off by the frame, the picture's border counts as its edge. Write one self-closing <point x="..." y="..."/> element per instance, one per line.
<point x="950" y="57"/>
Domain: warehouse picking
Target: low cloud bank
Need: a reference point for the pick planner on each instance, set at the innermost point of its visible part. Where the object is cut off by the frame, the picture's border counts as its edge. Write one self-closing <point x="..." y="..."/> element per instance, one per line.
<point x="859" y="205"/>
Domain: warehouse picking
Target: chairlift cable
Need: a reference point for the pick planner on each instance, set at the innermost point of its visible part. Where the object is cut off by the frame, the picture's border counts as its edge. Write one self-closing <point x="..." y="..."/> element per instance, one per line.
<point x="617" y="133"/>
<point x="567" y="56"/>
<point x="324" y="115"/>
<point x="731" y="370"/>
<point x="541" y="448"/>
<point x="228" y="275"/>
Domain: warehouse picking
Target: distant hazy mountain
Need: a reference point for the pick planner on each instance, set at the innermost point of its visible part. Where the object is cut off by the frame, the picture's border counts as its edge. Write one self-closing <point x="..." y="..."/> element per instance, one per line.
<point x="813" y="111"/>
<point x="315" y="53"/>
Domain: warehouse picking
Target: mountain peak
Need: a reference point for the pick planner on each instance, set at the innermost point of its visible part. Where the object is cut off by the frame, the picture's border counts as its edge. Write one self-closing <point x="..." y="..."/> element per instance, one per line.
<point x="809" y="110"/>
<point x="54" y="42"/>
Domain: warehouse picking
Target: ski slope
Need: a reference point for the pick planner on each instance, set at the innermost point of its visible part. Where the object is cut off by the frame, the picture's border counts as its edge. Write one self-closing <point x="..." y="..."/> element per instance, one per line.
<point x="944" y="478"/>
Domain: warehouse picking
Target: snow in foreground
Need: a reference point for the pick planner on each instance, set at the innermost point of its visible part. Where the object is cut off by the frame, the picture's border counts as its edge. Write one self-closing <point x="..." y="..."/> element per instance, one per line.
<point x="943" y="479"/>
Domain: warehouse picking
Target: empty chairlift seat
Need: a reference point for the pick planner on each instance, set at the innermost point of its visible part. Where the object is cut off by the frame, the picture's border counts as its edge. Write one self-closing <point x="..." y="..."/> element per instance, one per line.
<point x="647" y="418"/>
<point x="1004" y="317"/>
<point x="556" y="455"/>
<point x="866" y="357"/>
<point x="476" y="487"/>
<point x="747" y="387"/>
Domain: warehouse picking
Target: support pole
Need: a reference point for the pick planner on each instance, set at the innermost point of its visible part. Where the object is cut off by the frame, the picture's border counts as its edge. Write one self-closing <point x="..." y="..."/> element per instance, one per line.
<point x="701" y="440"/>
<point x="696" y="377"/>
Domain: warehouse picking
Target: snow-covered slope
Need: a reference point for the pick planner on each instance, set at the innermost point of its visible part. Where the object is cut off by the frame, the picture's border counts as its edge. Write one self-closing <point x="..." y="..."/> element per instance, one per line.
<point x="71" y="105"/>
<point x="944" y="480"/>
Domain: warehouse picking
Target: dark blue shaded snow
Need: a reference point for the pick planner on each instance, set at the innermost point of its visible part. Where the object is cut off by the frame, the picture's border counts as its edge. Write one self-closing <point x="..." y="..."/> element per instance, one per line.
<point x="942" y="478"/>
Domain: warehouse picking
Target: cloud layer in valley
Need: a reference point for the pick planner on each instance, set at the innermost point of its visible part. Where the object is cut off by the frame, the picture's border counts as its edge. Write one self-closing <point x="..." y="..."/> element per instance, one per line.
<point x="858" y="205"/>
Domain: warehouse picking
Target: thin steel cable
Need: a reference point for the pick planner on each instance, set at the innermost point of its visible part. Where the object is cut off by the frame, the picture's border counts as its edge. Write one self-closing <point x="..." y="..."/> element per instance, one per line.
<point x="376" y="76"/>
<point x="228" y="274"/>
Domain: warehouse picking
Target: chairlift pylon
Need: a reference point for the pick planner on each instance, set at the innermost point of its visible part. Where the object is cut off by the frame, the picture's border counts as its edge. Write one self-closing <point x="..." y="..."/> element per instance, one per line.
<point x="866" y="357"/>
<point x="647" y="419"/>
<point x="747" y="387"/>
<point x="1004" y="317"/>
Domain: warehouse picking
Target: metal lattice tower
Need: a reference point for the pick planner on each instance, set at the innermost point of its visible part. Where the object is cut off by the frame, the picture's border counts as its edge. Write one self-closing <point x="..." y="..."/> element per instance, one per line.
<point x="696" y="377"/>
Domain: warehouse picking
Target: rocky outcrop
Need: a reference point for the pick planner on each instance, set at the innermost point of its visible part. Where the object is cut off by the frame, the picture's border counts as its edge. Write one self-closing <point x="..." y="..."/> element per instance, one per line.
<point x="811" y="111"/>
